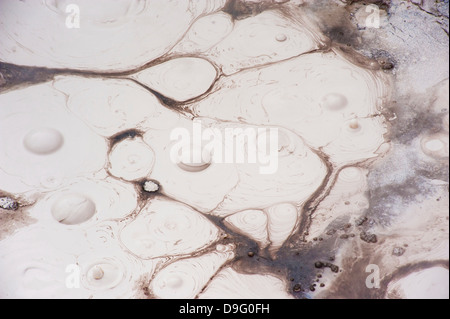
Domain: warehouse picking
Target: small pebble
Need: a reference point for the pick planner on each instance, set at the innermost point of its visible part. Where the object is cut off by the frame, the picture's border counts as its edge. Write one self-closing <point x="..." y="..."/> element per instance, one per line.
<point x="368" y="238"/>
<point x="386" y="65"/>
<point x="97" y="273"/>
<point x="281" y="37"/>
<point x="331" y="232"/>
<point x="360" y="221"/>
<point x="398" y="251"/>
<point x="319" y="264"/>
<point x="8" y="203"/>
<point x="151" y="187"/>
<point x="334" y="268"/>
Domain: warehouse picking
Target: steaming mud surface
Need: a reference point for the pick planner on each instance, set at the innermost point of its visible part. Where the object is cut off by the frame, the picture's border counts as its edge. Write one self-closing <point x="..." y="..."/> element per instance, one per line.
<point x="93" y="206"/>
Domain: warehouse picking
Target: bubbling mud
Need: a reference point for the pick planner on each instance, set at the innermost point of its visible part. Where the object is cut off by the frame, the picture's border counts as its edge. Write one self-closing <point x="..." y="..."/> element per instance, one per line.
<point x="104" y="275"/>
<point x="164" y="228"/>
<point x="131" y="160"/>
<point x="251" y="223"/>
<point x="73" y="209"/>
<point x="43" y="141"/>
<point x="102" y="36"/>
<point x="179" y="79"/>
<point x="430" y="283"/>
<point x="186" y="278"/>
<point x="231" y="284"/>
<point x="91" y="92"/>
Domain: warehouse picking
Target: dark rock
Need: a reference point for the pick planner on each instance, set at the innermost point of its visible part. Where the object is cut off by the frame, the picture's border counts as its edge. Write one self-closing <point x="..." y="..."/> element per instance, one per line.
<point x="368" y="238"/>
<point x="398" y="251"/>
<point x="8" y="203"/>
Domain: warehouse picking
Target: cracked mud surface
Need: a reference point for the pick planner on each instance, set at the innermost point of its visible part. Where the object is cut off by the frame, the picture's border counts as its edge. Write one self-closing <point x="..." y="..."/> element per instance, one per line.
<point x="87" y="180"/>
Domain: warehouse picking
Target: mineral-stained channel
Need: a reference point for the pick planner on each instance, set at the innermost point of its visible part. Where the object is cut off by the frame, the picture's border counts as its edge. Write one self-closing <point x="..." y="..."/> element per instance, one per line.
<point x="355" y="205"/>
